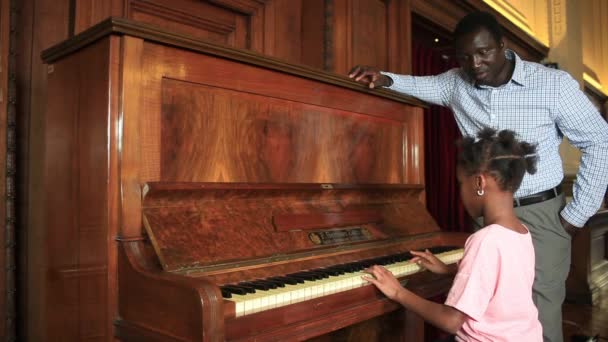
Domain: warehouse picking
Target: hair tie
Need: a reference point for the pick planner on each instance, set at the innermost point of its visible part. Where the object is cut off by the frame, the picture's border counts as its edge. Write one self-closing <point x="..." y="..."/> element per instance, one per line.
<point x="513" y="156"/>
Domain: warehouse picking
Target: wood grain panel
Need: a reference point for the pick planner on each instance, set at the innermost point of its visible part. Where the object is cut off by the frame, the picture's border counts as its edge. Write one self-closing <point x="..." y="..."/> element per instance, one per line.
<point x="313" y="33"/>
<point x="77" y="240"/>
<point x="370" y="26"/>
<point x="217" y="135"/>
<point x="130" y="135"/>
<point x="40" y="24"/>
<point x="90" y="12"/>
<point x="369" y="32"/>
<point x="201" y="227"/>
<point x="257" y="103"/>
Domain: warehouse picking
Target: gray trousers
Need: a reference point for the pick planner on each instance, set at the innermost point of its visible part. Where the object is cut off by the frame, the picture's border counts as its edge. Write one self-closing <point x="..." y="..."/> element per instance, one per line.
<point x="552" y="246"/>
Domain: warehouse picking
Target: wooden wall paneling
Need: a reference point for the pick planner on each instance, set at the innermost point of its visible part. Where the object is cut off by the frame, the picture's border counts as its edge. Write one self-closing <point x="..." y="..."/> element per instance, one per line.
<point x="376" y="33"/>
<point x="314" y="33"/>
<point x="7" y="252"/>
<point x="76" y="169"/>
<point x="369" y="26"/>
<point x="399" y="36"/>
<point x="341" y="47"/>
<point x="445" y="14"/>
<point x="220" y="22"/>
<point x="87" y="13"/>
<point x="47" y="21"/>
<point x="359" y="34"/>
<point x="254" y="22"/>
<point x="24" y="210"/>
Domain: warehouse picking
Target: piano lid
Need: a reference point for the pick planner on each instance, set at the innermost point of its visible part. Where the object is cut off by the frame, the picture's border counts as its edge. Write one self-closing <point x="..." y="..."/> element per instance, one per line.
<point x="211" y="225"/>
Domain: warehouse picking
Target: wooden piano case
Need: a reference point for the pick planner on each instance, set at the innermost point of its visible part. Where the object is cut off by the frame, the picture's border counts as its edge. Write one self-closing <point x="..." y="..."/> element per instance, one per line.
<point x="174" y="166"/>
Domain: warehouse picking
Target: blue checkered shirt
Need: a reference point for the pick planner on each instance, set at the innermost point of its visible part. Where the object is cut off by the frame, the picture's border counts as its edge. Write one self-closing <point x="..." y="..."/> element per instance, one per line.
<point x="541" y="105"/>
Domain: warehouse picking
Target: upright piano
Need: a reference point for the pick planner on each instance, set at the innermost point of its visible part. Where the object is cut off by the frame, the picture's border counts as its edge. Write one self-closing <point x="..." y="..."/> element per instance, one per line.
<point x="201" y="193"/>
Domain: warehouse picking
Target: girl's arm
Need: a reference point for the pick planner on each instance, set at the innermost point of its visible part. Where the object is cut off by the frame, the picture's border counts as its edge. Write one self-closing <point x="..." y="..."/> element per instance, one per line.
<point x="442" y="316"/>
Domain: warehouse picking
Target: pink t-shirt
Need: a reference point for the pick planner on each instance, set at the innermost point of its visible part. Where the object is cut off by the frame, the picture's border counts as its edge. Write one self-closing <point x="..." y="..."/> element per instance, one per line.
<point x="493" y="287"/>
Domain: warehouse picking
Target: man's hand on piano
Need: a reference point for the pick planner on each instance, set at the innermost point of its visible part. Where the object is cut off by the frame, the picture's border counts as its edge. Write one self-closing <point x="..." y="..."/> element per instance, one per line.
<point x="385" y="281"/>
<point x="429" y="261"/>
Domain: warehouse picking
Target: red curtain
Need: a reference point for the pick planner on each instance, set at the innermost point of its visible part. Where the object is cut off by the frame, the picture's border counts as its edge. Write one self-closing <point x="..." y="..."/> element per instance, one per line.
<point x="440" y="135"/>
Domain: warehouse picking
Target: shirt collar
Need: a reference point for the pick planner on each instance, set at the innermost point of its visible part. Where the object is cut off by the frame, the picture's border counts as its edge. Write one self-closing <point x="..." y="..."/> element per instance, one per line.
<point x="518" y="76"/>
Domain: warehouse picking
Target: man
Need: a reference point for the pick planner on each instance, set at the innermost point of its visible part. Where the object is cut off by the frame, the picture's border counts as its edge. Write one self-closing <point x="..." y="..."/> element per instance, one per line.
<point x="495" y="88"/>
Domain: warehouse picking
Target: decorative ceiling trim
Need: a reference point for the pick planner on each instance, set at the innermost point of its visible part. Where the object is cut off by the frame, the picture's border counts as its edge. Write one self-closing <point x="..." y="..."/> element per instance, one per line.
<point x="515" y="16"/>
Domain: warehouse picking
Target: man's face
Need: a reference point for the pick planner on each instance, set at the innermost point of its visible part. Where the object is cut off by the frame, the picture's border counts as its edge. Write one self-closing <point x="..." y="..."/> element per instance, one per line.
<point x="482" y="57"/>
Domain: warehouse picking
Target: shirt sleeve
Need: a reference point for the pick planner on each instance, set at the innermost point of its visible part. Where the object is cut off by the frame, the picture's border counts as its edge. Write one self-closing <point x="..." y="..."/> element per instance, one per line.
<point x="475" y="283"/>
<point x="584" y="127"/>
<point x="433" y="89"/>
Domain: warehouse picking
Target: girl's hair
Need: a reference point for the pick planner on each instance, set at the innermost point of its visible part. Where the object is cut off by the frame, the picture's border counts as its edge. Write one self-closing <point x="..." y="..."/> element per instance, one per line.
<point x="500" y="155"/>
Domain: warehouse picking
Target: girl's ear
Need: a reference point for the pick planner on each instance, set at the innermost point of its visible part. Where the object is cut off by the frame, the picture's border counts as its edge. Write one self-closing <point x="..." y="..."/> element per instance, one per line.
<point x="481" y="181"/>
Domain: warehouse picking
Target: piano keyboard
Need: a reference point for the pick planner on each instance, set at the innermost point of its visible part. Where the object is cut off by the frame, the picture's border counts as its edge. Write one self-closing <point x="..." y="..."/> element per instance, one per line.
<point x="265" y="294"/>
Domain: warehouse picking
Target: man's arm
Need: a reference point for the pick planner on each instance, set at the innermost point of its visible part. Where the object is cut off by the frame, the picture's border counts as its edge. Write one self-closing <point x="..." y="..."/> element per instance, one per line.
<point x="433" y="89"/>
<point x="582" y="124"/>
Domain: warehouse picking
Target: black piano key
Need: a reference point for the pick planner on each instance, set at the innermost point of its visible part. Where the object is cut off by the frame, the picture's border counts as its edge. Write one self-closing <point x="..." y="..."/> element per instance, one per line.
<point x="248" y="288"/>
<point x="270" y="284"/>
<point x="256" y="286"/>
<point x="334" y="271"/>
<point x="322" y="274"/>
<point x="287" y="280"/>
<point x="276" y="282"/>
<point x="309" y="277"/>
<point x="233" y="289"/>
<point x="346" y="268"/>
<point x="292" y="280"/>
<point x="226" y="293"/>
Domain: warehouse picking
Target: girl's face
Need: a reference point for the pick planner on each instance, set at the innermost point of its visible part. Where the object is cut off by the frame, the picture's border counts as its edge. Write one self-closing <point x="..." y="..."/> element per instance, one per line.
<point x="469" y="185"/>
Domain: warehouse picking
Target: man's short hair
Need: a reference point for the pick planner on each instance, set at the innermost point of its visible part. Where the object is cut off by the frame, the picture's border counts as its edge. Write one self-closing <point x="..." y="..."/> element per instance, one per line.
<point x="476" y="20"/>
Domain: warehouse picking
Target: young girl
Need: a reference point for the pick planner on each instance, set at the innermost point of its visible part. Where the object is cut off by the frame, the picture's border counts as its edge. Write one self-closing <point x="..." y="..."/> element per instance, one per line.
<point x="491" y="297"/>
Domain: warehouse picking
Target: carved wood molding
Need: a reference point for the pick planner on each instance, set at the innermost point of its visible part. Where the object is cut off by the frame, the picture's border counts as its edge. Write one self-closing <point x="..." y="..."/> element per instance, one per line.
<point x="176" y="15"/>
<point x="10" y="243"/>
<point x="248" y="7"/>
